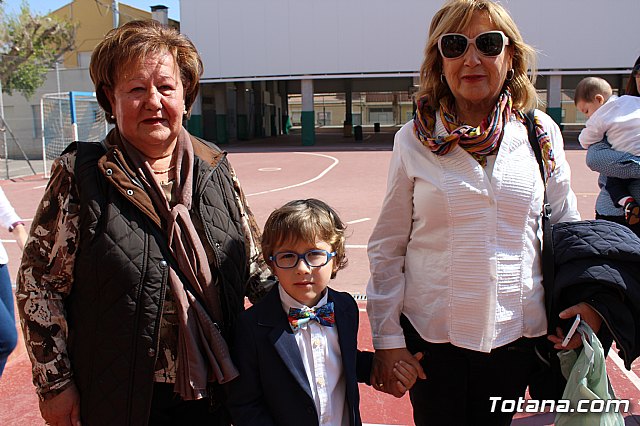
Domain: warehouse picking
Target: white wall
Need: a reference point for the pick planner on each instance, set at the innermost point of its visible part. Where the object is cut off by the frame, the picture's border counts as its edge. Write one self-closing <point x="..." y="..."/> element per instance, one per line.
<point x="579" y="34"/>
<point x="247" y="38"/>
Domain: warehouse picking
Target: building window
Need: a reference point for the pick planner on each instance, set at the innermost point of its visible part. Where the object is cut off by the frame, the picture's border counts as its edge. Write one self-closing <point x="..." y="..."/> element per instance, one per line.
<point x="408" y="116"/>
<point x="296" y="118"/>
<point x="323" y="118"/>
<point x="382" y="115"/>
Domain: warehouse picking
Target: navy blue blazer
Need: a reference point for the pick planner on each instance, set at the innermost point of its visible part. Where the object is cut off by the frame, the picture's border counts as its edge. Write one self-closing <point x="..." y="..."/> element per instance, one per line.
<point x="273" y="388"/>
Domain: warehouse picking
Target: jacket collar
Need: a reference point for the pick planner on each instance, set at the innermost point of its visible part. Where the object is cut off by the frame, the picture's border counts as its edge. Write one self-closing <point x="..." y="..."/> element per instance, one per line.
<point x="272" y="315"/>
<point x="115" y="169"/>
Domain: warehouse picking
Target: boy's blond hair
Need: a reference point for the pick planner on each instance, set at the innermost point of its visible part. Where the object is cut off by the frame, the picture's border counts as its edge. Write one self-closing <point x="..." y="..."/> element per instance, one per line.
<point x="309" y="220"/>
<point x="589" y="87"/>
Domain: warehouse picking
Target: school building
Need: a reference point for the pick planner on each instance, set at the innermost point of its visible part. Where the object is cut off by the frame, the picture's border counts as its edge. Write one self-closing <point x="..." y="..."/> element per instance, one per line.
<point x="272" y="64"/>
<point x="350" y="62"/>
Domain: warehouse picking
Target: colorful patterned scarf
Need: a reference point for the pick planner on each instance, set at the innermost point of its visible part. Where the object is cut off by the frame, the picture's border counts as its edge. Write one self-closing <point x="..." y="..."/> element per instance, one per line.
<point x="478" y="141"/>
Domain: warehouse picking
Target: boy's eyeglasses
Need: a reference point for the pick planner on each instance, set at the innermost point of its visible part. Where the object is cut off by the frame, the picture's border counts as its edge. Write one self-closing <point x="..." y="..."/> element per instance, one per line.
<point x="313" y="258"/>
<point x="490" y="43"/>
<point x="635" y="71"/>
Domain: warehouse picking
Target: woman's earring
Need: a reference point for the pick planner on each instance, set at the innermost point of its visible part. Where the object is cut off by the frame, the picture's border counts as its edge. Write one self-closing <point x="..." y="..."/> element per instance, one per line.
<point x="442" y="79"/>
<point x="510" y="74"/>
<point x="113" y="117"/>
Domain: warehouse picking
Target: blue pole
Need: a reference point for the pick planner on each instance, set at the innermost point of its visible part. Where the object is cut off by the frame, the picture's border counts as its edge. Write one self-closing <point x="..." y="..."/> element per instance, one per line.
<point x="72" y="109"/>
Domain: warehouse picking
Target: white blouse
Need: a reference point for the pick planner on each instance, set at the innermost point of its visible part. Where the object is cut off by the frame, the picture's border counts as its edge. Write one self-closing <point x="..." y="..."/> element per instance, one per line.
<point x="457" y="251"/>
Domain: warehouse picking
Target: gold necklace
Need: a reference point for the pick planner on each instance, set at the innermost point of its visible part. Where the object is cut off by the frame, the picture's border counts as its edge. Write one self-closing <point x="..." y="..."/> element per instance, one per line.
<point x="161" y="172"/>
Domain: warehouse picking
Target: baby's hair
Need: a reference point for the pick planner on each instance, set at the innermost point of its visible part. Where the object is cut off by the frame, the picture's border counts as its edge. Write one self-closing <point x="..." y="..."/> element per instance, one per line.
<point x="309" y="220"/>
<point x="589" y="87"/>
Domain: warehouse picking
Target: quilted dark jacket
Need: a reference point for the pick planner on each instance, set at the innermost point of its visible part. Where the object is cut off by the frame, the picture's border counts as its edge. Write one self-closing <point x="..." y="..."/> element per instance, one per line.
<point x="598" y="262"/>
<point x="121" y="278"/>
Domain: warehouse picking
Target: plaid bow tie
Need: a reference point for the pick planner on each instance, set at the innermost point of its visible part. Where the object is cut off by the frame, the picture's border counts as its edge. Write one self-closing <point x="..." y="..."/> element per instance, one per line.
<point x="300" y="317"/>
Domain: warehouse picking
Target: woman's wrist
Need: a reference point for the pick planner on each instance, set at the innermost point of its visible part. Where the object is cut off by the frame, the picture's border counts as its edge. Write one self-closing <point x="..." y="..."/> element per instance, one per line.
<point x="13" y="225"/>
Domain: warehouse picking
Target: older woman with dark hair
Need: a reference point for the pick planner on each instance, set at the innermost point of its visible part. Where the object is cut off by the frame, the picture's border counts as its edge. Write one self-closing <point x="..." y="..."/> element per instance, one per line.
<point x="140" y="253"/>
<point x="455" y="256"/>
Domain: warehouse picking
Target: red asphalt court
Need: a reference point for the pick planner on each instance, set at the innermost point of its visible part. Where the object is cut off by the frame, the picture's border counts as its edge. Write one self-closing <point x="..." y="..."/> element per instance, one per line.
<point x="350" y="176"/>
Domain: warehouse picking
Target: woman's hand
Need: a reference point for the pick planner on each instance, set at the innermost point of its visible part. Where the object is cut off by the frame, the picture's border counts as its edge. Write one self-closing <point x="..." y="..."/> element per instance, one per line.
<point x="395" y="383"/>
<point x="21" y="235"/>
<point x="587" y="313"/>
<point x="63" y="409"/>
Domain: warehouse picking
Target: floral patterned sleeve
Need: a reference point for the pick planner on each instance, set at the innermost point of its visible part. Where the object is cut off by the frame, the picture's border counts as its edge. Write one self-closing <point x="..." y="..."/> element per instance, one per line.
<point x="261" y="279"/>
<point x="45" y="278"/>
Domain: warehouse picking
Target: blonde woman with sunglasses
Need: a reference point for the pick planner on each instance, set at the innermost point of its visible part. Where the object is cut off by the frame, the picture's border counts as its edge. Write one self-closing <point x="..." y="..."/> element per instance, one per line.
<point x="455" y="259"/>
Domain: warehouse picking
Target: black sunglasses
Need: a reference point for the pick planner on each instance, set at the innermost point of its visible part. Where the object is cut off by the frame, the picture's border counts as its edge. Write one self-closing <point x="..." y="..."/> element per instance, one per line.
<point x="635" y="71"/>
<point x="490" y="43"/>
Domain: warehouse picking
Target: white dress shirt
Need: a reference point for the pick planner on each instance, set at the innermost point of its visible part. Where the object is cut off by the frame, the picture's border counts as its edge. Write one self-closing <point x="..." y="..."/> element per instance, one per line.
<point x="457" y="249"/>
<point x="322" y="359"/>
<point x="619" y="120"/>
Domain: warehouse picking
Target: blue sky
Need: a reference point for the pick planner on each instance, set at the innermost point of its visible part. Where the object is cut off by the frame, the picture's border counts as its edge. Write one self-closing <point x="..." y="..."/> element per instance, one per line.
<point x="43" y="7"/>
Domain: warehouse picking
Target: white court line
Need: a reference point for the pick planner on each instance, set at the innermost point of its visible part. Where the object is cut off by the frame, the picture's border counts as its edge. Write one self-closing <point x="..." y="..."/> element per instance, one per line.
<point x="630" y="374"/>
<point x="356" y="246"/>
<point x="324" y="172"/>
<point x="39" y="187"/>
<point x="364" y="219"/>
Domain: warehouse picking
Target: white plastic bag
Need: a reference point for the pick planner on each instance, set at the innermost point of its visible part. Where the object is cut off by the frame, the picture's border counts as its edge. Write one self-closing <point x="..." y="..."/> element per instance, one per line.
<point x="586" y="375"/>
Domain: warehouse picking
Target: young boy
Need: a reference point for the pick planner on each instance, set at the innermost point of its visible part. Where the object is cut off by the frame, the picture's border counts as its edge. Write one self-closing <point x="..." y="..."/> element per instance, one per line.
<point x="296" y="350"/>
<point x="617" y="119"/>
